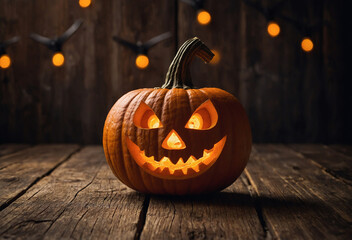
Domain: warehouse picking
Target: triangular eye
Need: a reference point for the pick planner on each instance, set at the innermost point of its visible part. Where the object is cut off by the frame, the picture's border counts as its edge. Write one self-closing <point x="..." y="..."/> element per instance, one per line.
<point x="204" y="117"/>
<point x="145" y="117"/>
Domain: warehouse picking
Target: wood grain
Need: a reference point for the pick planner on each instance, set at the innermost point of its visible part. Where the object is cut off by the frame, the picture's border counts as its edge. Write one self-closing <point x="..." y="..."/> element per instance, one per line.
<point x="6" y="149"/>
<point x="281" y="195"/>
<point x="337" y="164"/>
<point x="297" y="197"/>
<point x="229" y="214"/>
<point x="21" y="170"/>
<point x="81" y="199"/>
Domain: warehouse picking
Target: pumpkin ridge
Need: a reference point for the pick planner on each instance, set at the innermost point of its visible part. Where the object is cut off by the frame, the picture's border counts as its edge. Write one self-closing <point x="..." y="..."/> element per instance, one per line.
<point x="120" y="174"/>
<point x="130" y="168"/>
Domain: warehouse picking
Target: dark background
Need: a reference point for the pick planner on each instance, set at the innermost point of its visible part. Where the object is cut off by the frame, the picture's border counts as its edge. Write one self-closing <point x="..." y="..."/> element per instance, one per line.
<point x="289" y="95"/>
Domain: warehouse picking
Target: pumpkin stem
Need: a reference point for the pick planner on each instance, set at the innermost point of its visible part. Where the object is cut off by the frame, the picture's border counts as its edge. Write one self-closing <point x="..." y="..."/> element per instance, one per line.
<point x="178" y="75"/>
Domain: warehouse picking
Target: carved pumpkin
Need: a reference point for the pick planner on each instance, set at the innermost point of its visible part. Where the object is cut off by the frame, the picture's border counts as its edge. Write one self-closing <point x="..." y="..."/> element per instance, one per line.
<point x="177" y="139"/>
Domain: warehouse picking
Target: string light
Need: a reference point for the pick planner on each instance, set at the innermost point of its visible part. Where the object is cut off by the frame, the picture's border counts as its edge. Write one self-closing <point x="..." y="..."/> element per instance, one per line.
<point x="203" y="17"/>
<point x="273" y="29"/>
<point x="58" y="59"/>
<point x="141" y="49"/>
<point x="5" y="61"/>
<point x="142" y="61"/>
<point x="307" y="44"/>
<point x="84" y="3"/>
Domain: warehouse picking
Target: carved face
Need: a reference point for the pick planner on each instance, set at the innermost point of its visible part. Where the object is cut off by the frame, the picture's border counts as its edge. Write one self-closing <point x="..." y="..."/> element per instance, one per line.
<point x="177" y="141"/>
<point x="178" y="161"/>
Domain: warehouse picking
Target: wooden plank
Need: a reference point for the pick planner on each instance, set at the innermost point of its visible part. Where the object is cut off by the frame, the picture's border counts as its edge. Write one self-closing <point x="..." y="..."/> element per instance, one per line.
<point x="6" y="149"/>
<point x="81" y="199"/>
<point x="299" y="199"/>
<point x="229" y="214"/>
<point x="335" y="163"/>
<point x="342" y="148"/>
<point x="20" y="170"/>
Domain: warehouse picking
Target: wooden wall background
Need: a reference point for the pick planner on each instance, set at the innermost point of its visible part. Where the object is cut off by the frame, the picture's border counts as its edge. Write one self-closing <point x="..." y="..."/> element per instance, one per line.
<point x="290" y="96"/>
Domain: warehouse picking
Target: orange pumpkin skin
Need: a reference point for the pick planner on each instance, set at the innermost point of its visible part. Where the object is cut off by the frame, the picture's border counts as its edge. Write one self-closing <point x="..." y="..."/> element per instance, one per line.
<point x="174" y="107"/>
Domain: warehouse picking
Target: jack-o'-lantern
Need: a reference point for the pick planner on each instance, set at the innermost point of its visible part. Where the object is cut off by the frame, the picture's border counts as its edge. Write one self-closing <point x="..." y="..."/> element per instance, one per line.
<point x="177" y="139"/>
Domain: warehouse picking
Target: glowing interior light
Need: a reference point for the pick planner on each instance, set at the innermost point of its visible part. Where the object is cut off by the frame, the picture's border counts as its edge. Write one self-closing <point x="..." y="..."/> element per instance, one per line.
<point x="5" y="61"/>
<point x="58" y="59"/>
<point x="216" y="58"/>
<point x="203" y="17"/>
<point x="173" y="141"/>
<point x="154" y="122"/>
<point x="85" y="3"/>
<point x="195" y="122"/>
<point x="307" y="44"/>
<point x="142" y="61"/>
<point x="273" y="29"/>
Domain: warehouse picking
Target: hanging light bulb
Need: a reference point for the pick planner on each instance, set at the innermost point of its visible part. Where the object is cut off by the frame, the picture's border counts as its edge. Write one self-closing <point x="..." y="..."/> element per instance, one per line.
<point x="142" y="61"/>
<point x="58" y="59"/>
<point x="203" y="17"/>
<point x="5" y="61"/>
<point x="307" y="44"/>
<point x="273" y="29"/>
<point x="84" y="3"/>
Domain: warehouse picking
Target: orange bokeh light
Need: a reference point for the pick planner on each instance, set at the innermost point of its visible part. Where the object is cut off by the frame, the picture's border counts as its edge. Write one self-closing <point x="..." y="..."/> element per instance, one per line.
<point x="5" y="61"/>
<point x="273" y="29"/>
<point x="216" y="58"/>
<point x="307" y="45"/>
<point x="84" y="3"/>
<point x="58" y="59"/>
<point x="142" y="61"/>
<point x="203" y="17"/>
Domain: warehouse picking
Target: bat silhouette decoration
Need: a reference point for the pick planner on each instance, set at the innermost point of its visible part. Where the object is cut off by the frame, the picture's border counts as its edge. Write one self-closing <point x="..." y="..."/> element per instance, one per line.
<point x="55" y="44"/>
<point x="141" y="49"/>
<point x="5" y="60"/>
<point x="203" y="16"/>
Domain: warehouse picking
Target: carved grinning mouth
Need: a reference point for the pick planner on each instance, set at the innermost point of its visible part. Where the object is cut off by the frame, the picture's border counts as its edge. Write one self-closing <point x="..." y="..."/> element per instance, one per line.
<point x="181" y="170"/>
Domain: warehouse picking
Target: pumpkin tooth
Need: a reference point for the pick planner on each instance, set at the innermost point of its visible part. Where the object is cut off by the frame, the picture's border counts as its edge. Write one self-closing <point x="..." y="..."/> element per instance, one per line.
<point x="180" y="163"/>
<point x="191" y="160"/>
<point x="195" y="168"/>
<point x="165" y="161"/>
<point x="206" y="153"/>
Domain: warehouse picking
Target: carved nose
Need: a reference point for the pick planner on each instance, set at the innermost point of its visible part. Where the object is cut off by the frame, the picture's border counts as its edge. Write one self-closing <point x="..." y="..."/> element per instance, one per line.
<point x="173" y="141"/>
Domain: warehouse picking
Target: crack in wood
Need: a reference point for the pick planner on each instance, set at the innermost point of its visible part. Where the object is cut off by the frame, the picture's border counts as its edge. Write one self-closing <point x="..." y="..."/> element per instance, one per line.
<point x="10" y="201"/>
<point x="142" y="218"/>
<point x="78" y="222"/>
<point x="257" y="204"/>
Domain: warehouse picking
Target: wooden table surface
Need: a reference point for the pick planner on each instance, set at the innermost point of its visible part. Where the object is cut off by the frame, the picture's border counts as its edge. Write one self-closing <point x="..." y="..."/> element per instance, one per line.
<point x="68" y="191"/>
